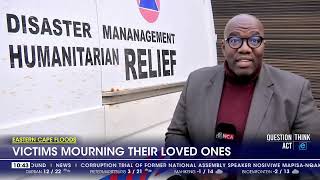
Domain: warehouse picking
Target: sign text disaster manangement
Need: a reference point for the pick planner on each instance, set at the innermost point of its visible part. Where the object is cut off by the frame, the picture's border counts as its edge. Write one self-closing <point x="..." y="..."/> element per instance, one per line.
<point x="31" y="56"/>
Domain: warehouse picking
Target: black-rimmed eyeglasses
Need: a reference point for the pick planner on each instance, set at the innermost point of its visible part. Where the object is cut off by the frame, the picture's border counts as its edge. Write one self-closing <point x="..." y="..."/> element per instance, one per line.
<point x="236" y="42"/>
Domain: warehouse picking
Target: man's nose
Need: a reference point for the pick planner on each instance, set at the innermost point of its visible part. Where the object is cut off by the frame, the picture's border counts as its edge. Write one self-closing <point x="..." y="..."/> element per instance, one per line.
<point x="245" y="48"/>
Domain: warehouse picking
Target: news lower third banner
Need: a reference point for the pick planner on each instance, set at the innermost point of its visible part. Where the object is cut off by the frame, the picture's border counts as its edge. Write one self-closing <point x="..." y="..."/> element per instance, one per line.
<point x="278" y="154"/>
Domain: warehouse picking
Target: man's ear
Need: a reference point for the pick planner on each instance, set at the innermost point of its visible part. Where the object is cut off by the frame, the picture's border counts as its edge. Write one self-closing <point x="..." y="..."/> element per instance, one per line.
<point x="264" y="43"/>
<point x="223" y="47"/>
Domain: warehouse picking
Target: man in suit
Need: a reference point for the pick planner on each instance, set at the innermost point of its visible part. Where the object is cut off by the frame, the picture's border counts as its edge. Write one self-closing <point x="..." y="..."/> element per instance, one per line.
<point x="256" y="98"/>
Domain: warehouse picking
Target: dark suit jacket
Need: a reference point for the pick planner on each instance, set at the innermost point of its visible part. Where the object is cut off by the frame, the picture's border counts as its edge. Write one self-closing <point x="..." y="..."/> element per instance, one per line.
<point x="282" y="103"/>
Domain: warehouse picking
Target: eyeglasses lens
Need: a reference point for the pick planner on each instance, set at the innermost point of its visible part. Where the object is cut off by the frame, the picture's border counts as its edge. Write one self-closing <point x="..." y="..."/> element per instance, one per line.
<point x="236" y="42"/>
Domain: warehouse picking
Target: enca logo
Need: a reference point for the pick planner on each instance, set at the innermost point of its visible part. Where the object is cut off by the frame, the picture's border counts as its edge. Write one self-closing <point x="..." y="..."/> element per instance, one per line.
<point x="149" y="9"/>
<point x="228" y="136"/>
<point x="221" y="135"/>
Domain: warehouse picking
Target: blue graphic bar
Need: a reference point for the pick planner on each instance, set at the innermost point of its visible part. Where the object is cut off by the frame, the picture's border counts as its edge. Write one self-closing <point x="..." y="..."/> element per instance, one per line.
<point x="147" y="168"/>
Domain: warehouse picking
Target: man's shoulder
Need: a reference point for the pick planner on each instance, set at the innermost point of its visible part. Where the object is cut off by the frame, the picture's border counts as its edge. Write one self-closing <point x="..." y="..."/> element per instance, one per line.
<point x="206" y="73"/>
<point x="277" y="75"/>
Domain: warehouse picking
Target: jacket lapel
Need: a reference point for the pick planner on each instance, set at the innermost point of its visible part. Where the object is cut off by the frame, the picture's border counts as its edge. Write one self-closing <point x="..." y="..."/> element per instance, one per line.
<point x="259" y="104"/>
<point x="214" y="91"/>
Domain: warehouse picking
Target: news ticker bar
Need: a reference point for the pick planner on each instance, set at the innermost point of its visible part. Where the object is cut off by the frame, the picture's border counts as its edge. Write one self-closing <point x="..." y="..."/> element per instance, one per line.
<point x="159" y="166"/>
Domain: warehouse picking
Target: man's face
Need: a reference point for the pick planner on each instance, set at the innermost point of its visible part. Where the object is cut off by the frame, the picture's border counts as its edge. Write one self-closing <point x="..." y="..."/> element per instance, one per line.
<point x="245" y="60"/>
